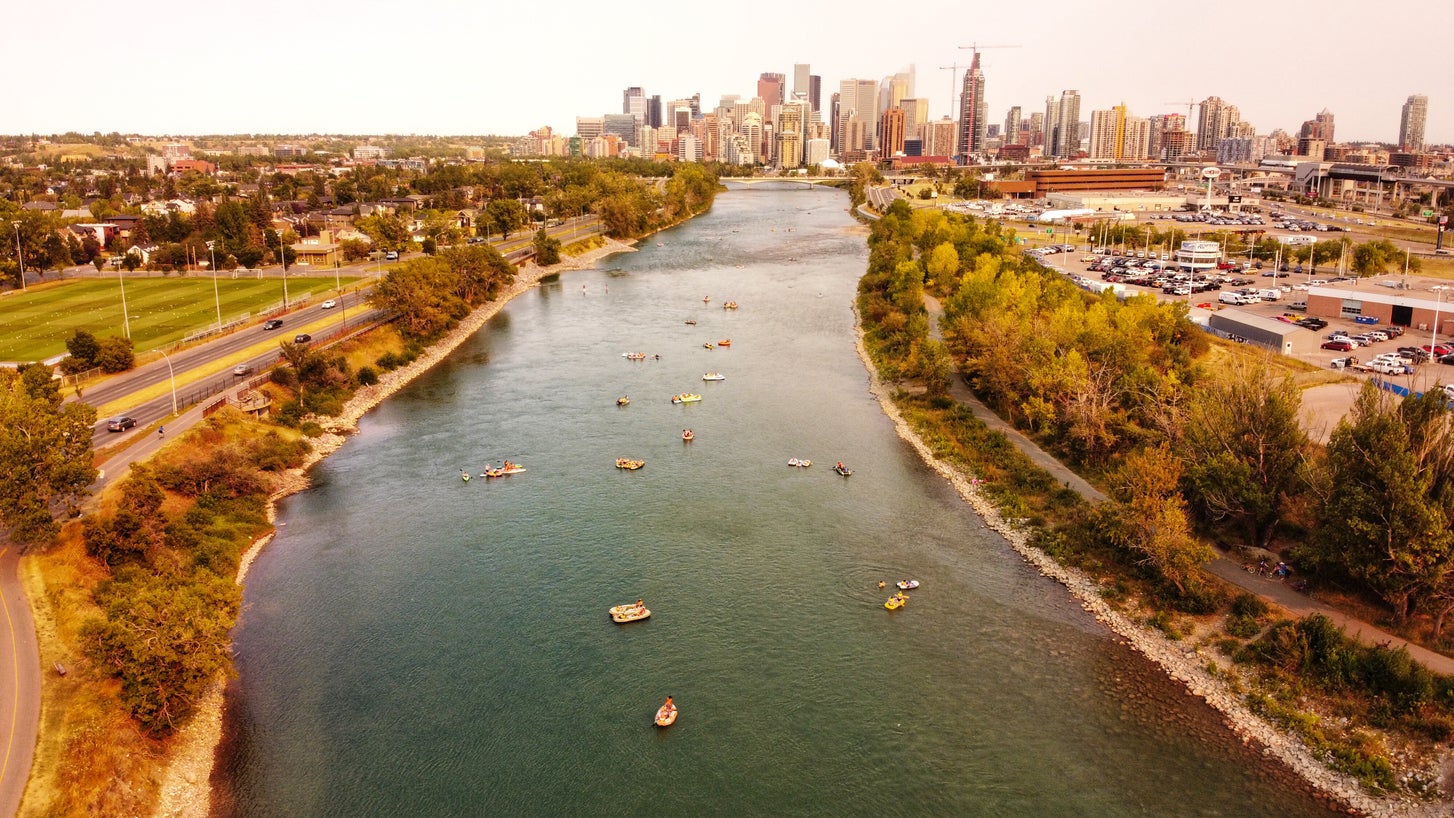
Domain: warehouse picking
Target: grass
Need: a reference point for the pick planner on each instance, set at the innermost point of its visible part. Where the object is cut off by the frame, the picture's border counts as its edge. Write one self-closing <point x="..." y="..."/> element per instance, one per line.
<point x="35" y="324"/>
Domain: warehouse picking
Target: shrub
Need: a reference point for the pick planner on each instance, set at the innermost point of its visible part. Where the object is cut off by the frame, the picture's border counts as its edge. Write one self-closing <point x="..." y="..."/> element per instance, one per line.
<point x="367" y="376"/>
<point x="310" y="428"/>
<point x="1250" y="606"/>
<point x="1242" y="627"/>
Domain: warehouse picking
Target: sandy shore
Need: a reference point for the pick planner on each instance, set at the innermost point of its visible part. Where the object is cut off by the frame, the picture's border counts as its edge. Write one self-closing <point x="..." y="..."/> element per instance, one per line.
<point x="185" y="790"/>
<point x="1181" y="662"/>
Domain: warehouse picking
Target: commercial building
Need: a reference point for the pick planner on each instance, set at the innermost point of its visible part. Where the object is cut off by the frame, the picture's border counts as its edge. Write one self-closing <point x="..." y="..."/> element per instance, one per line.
<point x="1098" y="179"/>
<point x="1428" y="310"/>
<point x="1198" y="256"/>
<point x="1277" y="336"/>
<point x="1116" y="201"/>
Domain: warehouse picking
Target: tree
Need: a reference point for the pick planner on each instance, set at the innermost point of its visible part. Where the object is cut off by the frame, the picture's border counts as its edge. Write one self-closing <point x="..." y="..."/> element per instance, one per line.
<point x="1387" y="503"/>
<point x="83" y="348"/>
<point x="1147" y="516"/>
<point x="115" y="354"/>
<point x="505" y="216"/>
<point x="422" y="292"/>
<point x="45" y="452"/>
<point x="547" y="248"/>
<point x="1244" y="449"/>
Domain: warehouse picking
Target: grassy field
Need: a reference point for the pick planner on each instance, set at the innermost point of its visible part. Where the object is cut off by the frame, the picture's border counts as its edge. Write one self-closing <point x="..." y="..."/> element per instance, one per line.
<point x="34" y="325"/>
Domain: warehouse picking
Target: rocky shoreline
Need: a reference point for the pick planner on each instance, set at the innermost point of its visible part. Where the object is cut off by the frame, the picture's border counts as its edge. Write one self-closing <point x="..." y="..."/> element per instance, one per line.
<point x="185" y="790"/>
<point x="1182" y="663"/>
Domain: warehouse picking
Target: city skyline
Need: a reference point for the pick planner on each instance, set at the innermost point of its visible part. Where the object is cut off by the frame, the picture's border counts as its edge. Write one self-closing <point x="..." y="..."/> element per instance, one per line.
<point x="314" y="68"/>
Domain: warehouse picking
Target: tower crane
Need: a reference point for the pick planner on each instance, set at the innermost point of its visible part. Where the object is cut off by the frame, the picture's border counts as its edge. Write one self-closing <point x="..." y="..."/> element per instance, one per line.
<point x="1191" y="103"/>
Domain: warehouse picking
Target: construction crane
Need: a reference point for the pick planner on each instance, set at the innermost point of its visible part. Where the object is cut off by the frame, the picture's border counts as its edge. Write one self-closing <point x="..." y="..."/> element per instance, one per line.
<point x="975" y="47"/>
<point x="1191" y="103"/>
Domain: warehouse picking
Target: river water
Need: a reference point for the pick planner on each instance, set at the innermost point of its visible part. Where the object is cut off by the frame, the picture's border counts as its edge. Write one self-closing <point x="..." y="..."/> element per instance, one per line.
<point x="416" y="645"/>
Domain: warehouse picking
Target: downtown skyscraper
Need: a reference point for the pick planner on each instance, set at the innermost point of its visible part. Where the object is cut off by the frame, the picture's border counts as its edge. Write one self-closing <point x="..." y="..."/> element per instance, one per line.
<point x="972" y="113"/>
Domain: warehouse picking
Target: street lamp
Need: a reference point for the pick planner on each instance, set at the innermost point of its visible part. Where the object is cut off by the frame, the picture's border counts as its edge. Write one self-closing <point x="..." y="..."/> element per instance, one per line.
<point x="1438" y="297"/>
<point x="215" y="297"/>
<point x="18" y="260"/>
<point x="172" y="375"/>
<point x="125" y="314"/>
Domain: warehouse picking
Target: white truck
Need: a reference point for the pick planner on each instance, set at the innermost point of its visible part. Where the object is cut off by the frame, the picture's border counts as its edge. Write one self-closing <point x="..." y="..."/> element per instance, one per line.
<point x="1270" y="295"/>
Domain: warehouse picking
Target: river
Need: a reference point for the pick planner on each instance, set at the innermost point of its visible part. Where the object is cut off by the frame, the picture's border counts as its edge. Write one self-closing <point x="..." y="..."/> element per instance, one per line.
<point x="416" y="645"/>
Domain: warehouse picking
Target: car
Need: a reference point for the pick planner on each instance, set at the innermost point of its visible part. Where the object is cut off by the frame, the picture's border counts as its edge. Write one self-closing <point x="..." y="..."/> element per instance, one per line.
<point x="1314" y="324"/>
<point x="1437" y="349"/>
<point x="329" y="304"/>
<point x="302" y="338"/>
<point x="1414" y="354"/>
<point x="392" y="255"/>
<point x="1387" y="367"/>
<point x="272" y="323"/>
<point x="1447" y="359"/>
<point x="120" y="423"/>
<point x="1392" y="330"/>
<point x="1340" y="345"/>
<point x="242" y="369"/>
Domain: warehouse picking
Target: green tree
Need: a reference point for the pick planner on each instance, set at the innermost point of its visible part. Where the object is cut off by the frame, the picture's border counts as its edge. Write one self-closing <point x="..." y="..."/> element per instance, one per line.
<point x="547" y="248"/>
<point x="1387" y="503"/>
<point x="83" y="348"/>
<point x="505" y="216"/>
<point x="1244" y="449"/>
<point x="422" y="292"/>
<point x="115" y="354"/>
<point x="45" y="453"/>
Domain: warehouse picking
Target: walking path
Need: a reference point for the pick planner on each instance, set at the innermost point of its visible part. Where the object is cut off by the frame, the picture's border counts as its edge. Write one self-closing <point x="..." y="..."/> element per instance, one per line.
<point x="1269" y="589"/>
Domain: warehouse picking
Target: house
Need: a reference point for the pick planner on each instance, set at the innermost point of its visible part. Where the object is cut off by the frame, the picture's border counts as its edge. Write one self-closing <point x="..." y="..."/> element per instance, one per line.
<point x="318" y="252"/>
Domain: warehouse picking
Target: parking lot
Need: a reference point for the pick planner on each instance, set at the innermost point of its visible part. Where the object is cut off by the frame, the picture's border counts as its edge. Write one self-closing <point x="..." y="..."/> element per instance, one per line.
<point x="1206" y="292"/>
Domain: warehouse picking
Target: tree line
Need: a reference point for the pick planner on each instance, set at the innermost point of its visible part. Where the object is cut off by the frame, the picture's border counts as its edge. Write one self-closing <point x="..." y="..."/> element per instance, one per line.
<point x="1185" y="441"/>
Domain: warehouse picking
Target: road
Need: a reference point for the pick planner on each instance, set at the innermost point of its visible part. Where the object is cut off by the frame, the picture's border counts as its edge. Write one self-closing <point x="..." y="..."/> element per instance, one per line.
<point x="19" y="683"/>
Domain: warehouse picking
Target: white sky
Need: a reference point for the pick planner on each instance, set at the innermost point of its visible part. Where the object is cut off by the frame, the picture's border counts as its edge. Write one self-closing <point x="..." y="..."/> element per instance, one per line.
<point x="507" y="66"/>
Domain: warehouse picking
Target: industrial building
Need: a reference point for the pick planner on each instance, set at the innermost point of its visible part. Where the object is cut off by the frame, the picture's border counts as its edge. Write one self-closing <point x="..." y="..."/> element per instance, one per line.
<point x="1422" y="307"/>
<point x="1269" y="333"/>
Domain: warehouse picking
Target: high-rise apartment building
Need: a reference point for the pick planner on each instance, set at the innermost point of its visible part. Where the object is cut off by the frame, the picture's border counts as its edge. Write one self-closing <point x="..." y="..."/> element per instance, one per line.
<point x="1012" y="126"/>
<point x="653" y="111"/>
<point x="1035" y="131"/>
<point x="1108" y="133"/>
<point x="815" y="92"/>
<point x="791" y="132"/>
<point x="1411" y="123"/>
<point x="1213" y="125"/>
<point x="972" y="112"/>
<point x="1062" y="124"/>
<point x="1136" y="138"/>
<point x="940" y="138"/>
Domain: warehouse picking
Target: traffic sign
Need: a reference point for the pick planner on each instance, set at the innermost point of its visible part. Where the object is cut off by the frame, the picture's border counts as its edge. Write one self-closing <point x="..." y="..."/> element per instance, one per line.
<point x="1426" y="212"/>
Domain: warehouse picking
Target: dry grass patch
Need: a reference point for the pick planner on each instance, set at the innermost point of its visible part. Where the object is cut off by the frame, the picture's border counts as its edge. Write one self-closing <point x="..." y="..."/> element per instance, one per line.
<point x="89" y="759"/>
<point x="366" y="349"/>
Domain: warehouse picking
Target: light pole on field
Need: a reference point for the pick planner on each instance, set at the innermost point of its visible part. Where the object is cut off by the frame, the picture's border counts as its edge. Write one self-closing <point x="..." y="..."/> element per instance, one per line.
<point x="212" y="255"/>
<point x="125" y="315"/>
<point x="1434" y="336"/>
<point x="18" y="259"/>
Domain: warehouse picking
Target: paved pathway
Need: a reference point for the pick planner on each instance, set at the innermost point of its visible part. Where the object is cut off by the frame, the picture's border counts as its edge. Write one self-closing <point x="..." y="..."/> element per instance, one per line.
<point x="1269" y="589"/>
<point x="19" y="683"/>
<point x="961" y="392"/>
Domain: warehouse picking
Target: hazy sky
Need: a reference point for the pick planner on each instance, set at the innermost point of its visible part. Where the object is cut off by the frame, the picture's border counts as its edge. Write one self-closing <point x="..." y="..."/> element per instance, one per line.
<point x="506" y="67"/>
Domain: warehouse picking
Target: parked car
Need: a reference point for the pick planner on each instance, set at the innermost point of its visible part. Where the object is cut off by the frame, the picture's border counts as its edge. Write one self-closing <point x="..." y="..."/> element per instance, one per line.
<point x="1438" y="349"/>
<point x="302" y="338"/>
<point x="329" y="304"/>
<point x="120" y="423"/>
<point x="242" y="369"/>
<point x="1414" y="354"/>
<point x="392" y="255"/>
<point x="1387" y="367"/>
<point x="1341" y="345"/>
<point x="272" y="323"/>
<point x="1314" y="324"/>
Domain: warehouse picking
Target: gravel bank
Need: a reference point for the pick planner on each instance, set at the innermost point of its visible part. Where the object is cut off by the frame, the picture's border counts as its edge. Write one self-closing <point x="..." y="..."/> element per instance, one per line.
<point x="185" y="790"/>
<point x="1183" y="663"/>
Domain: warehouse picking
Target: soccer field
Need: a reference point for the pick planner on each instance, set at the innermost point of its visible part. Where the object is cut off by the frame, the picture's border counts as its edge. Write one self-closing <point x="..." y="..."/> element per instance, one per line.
<point x="34" y="325"/>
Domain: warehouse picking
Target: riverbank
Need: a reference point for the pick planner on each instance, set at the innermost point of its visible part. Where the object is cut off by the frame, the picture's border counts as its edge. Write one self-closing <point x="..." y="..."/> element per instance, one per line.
<point x="185" y="790"/>
<point x="1182" y="663"/>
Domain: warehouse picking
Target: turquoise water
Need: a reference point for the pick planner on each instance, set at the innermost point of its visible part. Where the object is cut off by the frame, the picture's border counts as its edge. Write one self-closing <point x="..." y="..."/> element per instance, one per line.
<point x="416" y="645"/>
